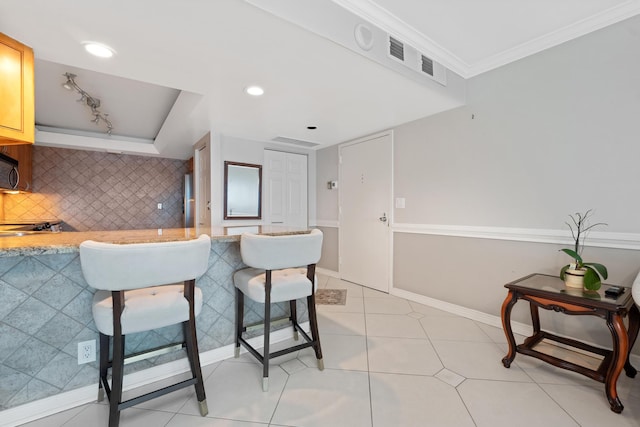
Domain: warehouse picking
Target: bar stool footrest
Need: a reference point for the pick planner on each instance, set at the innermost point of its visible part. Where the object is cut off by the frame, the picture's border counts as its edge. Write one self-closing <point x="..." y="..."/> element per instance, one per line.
<point x="157" y="393"/>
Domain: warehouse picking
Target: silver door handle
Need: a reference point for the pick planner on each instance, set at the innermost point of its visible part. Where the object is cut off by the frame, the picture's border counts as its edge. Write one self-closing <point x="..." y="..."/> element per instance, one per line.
<point x="383" y="218"/>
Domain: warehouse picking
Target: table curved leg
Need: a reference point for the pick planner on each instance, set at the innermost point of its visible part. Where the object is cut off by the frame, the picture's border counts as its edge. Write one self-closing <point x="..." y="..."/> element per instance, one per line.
<point x="634" y="326"/>
<point x="620" y="354"/>
<point x="507" y="305"/>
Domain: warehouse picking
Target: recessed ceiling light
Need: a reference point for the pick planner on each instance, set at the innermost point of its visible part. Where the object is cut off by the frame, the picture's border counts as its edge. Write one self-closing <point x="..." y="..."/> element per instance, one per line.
<point x="98" y="49"/>
<point x="254" y="90"/>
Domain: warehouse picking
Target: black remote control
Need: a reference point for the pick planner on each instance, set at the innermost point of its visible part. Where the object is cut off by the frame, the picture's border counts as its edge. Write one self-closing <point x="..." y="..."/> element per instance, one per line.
<point x="614" y="291"/>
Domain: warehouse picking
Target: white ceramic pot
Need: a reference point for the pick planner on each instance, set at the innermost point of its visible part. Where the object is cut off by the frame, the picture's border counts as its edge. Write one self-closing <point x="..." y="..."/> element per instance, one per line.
<point x="574" y="278"/>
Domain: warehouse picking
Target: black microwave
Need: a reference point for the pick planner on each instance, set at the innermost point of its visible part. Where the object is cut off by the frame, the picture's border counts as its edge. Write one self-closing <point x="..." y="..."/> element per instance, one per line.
<point x="9" y="176"/>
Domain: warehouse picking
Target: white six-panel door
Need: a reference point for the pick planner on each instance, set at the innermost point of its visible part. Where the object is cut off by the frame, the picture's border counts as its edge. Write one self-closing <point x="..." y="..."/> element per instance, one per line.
<point x="365" y="211"/>
<point x="285" y="188"/>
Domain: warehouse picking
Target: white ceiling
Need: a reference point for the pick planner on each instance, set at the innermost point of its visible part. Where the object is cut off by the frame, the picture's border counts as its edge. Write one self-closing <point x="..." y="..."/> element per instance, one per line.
<point x="206" y="52"/>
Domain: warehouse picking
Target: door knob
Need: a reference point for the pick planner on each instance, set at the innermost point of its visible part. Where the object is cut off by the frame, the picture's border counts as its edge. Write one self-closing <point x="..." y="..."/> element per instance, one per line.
<point x="383" y="218"/>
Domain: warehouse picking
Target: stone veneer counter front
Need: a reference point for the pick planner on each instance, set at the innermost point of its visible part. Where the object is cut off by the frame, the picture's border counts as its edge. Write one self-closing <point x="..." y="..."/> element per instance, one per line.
<point x="45" y="308"/>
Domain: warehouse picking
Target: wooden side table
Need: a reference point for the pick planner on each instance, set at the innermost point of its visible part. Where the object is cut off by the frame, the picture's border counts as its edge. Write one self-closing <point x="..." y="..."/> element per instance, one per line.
<point x="550" y="293"/>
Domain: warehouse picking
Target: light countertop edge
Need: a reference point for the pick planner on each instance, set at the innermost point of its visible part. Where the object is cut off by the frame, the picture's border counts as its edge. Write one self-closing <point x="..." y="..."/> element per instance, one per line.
<point x="69" y="241"/>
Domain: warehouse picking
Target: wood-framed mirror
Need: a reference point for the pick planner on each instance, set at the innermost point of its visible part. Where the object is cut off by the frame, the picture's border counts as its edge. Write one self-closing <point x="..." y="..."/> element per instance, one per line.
<point x="242" y="191"/>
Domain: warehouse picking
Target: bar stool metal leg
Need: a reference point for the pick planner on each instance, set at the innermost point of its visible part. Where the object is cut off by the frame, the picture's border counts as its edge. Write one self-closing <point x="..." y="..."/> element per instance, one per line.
<point x="294" y="319"/>
<point x="267" y="330"/>
<point x="194" y="362"/>
<point x="239" y="321"/>
<point x="315" y="335"/>
<point x="104" y="365"/>
<point x="117" y="368"/>
<point x="191" y="340"/>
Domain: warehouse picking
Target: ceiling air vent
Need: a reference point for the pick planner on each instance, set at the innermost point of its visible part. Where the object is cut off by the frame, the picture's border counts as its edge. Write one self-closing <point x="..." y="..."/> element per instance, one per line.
<point x="297" y="142"/>
<point x="427" y="65"/>
<point x="396" y="48"/>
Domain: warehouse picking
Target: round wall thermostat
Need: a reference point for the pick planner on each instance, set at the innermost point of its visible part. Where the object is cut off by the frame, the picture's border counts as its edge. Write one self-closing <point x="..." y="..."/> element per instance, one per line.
<point x="363" y="36"/>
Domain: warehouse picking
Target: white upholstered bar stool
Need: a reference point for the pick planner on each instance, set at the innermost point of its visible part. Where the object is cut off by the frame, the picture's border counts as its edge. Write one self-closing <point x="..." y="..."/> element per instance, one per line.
<point x="138" y="283"/>
<point x="281" y="268"/>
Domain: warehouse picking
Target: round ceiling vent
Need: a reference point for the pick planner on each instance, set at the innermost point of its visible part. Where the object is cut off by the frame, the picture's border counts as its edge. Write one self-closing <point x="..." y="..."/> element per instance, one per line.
<point x="363" y="36"/>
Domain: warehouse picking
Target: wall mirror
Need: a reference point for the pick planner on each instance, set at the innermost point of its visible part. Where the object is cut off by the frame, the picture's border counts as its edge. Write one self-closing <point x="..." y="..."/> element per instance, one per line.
<point x="242" y="191"/>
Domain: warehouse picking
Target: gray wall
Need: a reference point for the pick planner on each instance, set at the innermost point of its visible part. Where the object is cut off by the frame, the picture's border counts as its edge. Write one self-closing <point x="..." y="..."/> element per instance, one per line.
<point x="326" y="199"/>
<point x="549" y="135"/>
<point x="329" y="257"/>
<point x="539" y="139"/>
<point x="327" y="206"/>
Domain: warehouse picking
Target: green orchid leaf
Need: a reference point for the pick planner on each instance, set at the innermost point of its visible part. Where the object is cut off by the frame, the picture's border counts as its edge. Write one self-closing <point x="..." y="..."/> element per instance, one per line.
<point x="573" y="254"/>
<point x="599" y="268"/>
<point x="563" y="271"/>
<point x="591" y="279"/>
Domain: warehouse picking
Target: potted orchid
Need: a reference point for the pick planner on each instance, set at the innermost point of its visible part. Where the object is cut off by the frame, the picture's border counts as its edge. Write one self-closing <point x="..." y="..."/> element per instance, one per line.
<point x="580" y="274"/>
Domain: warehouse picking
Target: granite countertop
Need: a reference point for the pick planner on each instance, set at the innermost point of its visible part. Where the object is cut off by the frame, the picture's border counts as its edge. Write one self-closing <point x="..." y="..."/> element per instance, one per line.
<point x="69" y="241"/>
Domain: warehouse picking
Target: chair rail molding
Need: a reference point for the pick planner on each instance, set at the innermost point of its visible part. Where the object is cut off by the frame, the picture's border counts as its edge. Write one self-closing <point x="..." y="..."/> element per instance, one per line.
<point x="536" y="235"/>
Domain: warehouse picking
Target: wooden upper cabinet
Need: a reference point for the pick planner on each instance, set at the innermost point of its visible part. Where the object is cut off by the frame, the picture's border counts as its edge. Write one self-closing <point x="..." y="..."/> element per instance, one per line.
<point x="17" y="97"/>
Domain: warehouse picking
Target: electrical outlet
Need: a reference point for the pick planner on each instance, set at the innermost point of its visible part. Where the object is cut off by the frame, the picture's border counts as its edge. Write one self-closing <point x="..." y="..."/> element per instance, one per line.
<point x="86" y="351"/>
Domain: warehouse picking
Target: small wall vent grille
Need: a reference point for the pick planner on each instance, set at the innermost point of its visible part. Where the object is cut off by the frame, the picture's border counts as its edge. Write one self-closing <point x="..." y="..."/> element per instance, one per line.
<point x="396" y="48"/>
<point x="427" y="65"/>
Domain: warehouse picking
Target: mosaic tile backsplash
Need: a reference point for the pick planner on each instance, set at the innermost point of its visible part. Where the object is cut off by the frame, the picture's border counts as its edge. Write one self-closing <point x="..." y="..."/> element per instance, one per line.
<point x="91" y="190"/>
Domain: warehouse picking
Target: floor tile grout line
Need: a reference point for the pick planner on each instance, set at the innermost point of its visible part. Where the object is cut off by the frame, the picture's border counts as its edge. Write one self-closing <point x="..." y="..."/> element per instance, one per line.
<point x="466" y="407"/>
<point x="556" y="402"/>
<point x="366" y="347"/>
<point x="273" y="414"/>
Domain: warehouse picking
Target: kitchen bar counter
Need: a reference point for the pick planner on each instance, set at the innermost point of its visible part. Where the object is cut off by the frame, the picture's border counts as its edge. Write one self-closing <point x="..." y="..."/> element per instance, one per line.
<point x="69" y="241"/>
<point x="45" y="308"/>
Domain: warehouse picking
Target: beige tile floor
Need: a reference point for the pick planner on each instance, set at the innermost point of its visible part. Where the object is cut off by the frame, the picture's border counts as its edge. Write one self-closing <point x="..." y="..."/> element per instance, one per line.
<point x="389" y="362"/>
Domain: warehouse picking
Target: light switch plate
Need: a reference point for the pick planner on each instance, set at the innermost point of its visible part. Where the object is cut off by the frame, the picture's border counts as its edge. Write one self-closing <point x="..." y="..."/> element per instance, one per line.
<point x="399" y="202"/>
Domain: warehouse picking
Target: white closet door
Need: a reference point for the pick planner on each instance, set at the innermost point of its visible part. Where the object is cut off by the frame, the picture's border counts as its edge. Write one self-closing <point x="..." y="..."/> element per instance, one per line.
<point x="296" y="184"/>
<point x="275" y="187"/>
<point x="285" y="188"/>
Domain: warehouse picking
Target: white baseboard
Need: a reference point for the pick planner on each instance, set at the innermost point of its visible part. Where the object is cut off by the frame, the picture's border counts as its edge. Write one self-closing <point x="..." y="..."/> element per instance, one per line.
<point x="327" y="223"/>
<point x="488" y="319"/>
<point x="71" y="399"/>
<point x="326" y="272"/>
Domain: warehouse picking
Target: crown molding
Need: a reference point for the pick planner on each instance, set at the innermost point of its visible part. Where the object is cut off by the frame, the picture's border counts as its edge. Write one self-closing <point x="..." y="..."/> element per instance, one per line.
<point x="370" y="11"/>
<point x="395" y="26"/>
<point x="593" y="23"/>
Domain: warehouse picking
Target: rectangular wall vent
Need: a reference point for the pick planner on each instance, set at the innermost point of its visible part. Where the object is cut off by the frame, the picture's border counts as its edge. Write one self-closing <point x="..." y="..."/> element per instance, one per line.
<point x="427" y="65"/>
<point x="297" y="142"/>
<point x="396" y="48"/>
